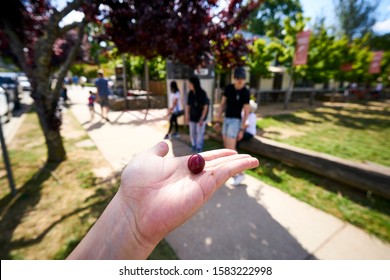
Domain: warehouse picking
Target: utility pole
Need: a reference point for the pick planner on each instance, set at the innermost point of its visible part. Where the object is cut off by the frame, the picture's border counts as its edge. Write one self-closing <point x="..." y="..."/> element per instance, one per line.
<point x="124" y="80"/>
<point x="6" y="161"/>
<point x="288" y="93"/>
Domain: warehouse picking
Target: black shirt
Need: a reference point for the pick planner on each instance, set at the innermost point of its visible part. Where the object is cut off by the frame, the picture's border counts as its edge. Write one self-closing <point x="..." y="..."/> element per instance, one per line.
<point x="235" y="100"/>
<point x="196" y="103"/>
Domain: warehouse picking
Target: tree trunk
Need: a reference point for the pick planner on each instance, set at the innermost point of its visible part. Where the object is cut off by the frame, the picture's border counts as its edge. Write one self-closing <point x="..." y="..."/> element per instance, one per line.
<point x="50" y="120"/>
<point x="55" y="147"/>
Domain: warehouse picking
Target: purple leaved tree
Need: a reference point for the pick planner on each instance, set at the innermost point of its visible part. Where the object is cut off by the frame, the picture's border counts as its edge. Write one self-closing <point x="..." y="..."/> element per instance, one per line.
<point x="187" y="31"/>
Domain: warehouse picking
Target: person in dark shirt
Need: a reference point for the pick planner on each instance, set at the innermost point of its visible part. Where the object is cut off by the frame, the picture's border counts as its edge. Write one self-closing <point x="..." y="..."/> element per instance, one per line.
<point x="196" y="113"/>
<point x="103" y="91"/>
<point x="235" y="107"/>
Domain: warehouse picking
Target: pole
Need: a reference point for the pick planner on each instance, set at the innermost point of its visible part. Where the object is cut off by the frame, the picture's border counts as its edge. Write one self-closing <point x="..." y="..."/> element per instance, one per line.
<point x="146" y="71"/>
<point x="124" y="80"/>
<point x="289" y="90"/>
<point x="6" y="161"/>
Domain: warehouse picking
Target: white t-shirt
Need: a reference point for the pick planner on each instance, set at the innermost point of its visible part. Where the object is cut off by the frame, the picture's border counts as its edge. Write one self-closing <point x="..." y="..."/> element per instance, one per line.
<point x="172" y="97"/>
<point x="251" y="122"/>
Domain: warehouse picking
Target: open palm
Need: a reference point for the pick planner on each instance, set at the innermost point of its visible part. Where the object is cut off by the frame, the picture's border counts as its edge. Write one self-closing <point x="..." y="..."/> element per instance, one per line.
<point x="159" y="193"/>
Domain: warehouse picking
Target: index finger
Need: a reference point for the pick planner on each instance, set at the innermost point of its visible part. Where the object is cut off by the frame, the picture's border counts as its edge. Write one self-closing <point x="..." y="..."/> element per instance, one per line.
<point x="214" y="154"/>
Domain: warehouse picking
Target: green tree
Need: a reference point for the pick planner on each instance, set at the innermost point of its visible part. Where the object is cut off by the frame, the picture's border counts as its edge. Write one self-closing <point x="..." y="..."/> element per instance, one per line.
<point x="380" y="42"/>
<point x="270" y="16"/>
<point x="158" y="68"/>
<point x="359" y="51"/>
<point x="356" y="17"/>
<point x="263" y="54"/>
<point x="284" y="47"/>
<point x="261" y="57"/>
<point x="324" y="55"/>
<point x="287" y="44"/>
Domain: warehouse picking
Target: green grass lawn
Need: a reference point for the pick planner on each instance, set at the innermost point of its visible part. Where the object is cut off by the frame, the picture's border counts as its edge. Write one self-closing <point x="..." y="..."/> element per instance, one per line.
<point x="358" y="132"/>
<point x="354" y="131"/>
<point x="366" y="211"/>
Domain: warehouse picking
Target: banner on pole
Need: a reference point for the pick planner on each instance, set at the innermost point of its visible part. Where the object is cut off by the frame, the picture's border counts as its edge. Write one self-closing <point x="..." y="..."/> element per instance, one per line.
<point x="302" y="48"/>
<point x="375" y="65"/>
<point x="346" y="67"/>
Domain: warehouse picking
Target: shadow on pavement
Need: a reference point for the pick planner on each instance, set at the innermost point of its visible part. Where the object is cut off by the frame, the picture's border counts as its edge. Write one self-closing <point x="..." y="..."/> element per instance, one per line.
<point x="233" y="225"/>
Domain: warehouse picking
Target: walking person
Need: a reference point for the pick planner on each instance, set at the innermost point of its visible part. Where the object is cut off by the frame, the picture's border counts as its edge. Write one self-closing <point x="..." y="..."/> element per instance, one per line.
<point x="175" y="110"/>
<point x="196" y="113"/>
<point x="378" y="89"/>
<point x="91" y="104"/>
<point x="235" y="107"/>
<point x="103" y="91"/>
<point x="64" y="94"/>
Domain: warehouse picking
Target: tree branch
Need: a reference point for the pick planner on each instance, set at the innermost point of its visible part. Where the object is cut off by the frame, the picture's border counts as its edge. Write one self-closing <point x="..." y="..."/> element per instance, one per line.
<point x="72" y="54"/>
<point x="16" y="45"/>
<point x="68" y="27"/>
<point x="71" y="6"/>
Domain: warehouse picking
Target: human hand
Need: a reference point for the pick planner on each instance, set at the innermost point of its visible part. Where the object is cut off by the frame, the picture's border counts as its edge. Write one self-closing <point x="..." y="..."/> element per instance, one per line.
<point x="240" y="135"/>
<point x="158" y="193"/>
<point x="217" y="127"/>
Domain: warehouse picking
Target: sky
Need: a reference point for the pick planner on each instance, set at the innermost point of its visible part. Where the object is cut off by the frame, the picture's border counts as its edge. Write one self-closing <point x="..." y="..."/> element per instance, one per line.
<point x="313" y="9"/>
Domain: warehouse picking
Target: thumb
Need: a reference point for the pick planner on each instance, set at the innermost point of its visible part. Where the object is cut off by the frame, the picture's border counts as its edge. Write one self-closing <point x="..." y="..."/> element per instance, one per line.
<point x="161" y="149"/>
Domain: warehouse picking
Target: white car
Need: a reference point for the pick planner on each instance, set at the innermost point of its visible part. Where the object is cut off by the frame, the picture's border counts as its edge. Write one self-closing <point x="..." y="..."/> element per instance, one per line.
<point x="23" y="84"/>
<point x="6" y="106"/>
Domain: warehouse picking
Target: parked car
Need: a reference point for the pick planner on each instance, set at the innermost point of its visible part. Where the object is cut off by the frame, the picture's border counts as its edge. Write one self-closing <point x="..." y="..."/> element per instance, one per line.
<point x="6" y="106"/>
<point x="23" y="84"/>
<point x="8" y="83"/>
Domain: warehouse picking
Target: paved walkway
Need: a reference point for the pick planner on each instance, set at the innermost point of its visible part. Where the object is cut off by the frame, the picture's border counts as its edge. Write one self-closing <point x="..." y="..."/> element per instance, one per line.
<point x="255" y="221"/>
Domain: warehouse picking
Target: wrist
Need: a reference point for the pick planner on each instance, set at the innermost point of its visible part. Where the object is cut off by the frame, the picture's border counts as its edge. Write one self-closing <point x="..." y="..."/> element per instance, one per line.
<point x="114" y="236"/>
<point x="136" y="243"/>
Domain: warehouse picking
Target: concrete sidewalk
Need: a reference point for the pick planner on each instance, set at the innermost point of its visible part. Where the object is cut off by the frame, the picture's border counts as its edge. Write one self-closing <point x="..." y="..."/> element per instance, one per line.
<point x="255" y="221"/>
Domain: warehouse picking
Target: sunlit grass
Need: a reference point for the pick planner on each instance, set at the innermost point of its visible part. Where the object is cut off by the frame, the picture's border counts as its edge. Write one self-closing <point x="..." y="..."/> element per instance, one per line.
<point x="358" y="132"/>
<point x="369" y="212"/>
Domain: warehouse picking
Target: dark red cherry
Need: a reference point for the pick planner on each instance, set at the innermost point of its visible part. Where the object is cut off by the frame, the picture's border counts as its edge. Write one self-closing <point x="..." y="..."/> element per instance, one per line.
<point x="196" y="163"/>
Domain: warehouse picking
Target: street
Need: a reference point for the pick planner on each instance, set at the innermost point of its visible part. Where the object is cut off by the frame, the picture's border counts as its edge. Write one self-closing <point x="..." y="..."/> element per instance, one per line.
<point x="11" y="127"/>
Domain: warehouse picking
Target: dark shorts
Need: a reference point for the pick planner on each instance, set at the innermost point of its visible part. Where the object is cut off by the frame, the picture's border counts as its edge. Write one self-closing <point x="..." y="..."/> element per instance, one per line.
<point x="103" y="101"/>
